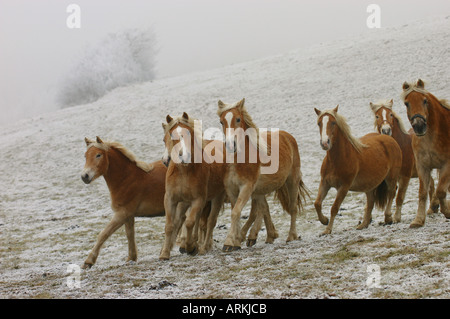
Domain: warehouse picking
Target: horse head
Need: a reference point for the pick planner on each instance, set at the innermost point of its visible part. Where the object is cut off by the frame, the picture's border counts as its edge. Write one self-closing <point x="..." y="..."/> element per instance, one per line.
<point x="416" y="102"/>
<point x="384" y="117"/>
<point x="178" y="140"/>
<point x="231" y="119"/>
<point x="96" y="160"/>
<point x="327" y="127"/>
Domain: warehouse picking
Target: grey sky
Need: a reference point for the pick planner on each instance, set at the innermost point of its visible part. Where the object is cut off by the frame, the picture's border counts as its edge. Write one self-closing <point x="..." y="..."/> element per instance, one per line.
<point x="36" y="47"/>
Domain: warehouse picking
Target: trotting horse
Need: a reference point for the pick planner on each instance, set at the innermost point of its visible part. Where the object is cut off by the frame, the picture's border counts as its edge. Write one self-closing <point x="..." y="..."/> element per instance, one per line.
<point x="190" y="181"/>
<point x="136" y="189"/>
<point x="430" y="119"/>
<point x="244" y="177"/>
<point x="389" y="123"/>
<point x="371" y="165"/>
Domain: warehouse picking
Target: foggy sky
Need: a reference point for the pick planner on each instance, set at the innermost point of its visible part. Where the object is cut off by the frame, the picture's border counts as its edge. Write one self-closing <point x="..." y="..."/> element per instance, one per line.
<point x="37" y="48"/>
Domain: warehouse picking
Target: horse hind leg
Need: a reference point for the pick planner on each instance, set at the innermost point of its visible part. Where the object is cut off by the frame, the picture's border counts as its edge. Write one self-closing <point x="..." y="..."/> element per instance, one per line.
<point x="292" y="204"/>
<point x="441" y="192"/>
<point x="129" y="230"/>
<point x="434" y="202"/>
<point x="402" y="188"/>
<point x="368" y="210"/>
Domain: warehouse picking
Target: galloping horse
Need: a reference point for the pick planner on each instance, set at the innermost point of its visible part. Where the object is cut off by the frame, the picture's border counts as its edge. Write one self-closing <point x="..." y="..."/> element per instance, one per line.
<point x="244" y="177"/>
<point x="370" y="164"/>
<point x="190" y="181"/>
<point x="430" y="119"/>
<point x="136" y="189"/>
<point x="389" y="123"/>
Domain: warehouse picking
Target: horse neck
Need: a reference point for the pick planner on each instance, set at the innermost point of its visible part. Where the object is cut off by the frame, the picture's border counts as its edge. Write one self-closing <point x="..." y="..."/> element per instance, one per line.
<point x="438" y="117"/>
<point x="398" y="135"/>
<point x="341" y="150"/>
<point x="119" y="169"/>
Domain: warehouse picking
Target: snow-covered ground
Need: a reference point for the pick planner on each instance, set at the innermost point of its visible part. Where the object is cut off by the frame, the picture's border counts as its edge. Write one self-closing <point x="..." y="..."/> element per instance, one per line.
<point x="50" y="219"/>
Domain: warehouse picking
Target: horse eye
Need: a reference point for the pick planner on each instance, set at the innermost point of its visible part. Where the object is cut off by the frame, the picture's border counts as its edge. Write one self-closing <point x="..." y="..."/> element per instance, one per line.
<point x="407" y="104"/>
<point x="392" y="115"/>
<point x="98" y="155"/>
<point x="221" y="123"/>
<point x="425" y="102"/>
<point x="377" y="116"/>
<point x="238" y="120"/>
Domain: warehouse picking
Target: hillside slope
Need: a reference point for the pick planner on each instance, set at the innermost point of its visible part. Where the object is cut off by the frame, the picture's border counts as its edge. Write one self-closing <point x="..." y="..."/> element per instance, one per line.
<point x="50" y="219"/>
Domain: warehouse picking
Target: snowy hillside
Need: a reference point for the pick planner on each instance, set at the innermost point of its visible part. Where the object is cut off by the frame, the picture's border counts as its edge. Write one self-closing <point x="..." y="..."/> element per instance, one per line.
<point x="49" y="218"/>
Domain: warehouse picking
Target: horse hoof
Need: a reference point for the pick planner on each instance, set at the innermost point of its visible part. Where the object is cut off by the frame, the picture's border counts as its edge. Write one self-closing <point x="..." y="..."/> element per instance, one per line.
<point x="251" y="242"/>
<point x="183" y="250"/>
<point x="227" y="248"/>
<point x="236" y="248"/>
<point x="87" y="266"/>
<point x="326" y="232"/>
<point x="415" y="225"/>
<point x="193" y="252"/>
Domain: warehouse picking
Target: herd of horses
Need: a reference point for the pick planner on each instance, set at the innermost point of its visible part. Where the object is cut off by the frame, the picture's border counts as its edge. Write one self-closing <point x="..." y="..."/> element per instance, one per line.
<point x="191" y="191"/>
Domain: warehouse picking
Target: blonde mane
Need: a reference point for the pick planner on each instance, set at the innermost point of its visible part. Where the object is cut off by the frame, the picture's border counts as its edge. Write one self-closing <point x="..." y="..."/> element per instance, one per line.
<point x="259" y="143"/>
<point x="192" y="123"/>
<point x="345" y="129"/>
<point x="419" y="87"/>
<point x="387" y="104"/>
<point x="106" y="146"/>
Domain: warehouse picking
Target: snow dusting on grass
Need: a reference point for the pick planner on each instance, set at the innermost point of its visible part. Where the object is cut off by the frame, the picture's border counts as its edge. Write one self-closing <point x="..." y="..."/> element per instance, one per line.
<point x="49" y="219"/>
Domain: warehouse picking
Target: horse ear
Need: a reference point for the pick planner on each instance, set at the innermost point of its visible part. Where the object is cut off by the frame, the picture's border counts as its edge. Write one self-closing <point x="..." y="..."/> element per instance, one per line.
<point x="185" y="116"/>
<point x="221" y="104"/>
<point x="405" y="86"/>
<point x="391" y="103"/>
<point x="420" y="84"/>
<point x="88" y="141"/>
<point x="240" y="104"/>
<point x="99" y="140"/>
<point x="169" y="118"/>
<point x="164" y="125"/>
<point x="336" y="108"/>
<point x="372" y="106"/>
<point x="317" y="111"/>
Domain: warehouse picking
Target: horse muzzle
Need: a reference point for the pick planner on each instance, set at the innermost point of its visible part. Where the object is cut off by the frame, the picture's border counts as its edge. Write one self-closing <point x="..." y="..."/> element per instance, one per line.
<point x="86" y="178"/>
<point x="326" y="145"/>
<point x="419" y="124"/>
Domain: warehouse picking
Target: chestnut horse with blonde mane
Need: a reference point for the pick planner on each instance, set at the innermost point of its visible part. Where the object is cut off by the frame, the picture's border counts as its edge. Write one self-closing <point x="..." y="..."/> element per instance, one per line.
<point x="251" y="175"/>
<point x="192" y="182"/>
<point x="370" y="164"/>
<point x="136" y="189"/>
<point x="430" y="119"/>
<point x="389" y="123"/>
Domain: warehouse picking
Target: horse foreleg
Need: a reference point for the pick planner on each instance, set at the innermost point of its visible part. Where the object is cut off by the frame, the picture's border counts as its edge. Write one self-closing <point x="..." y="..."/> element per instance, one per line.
<point x="233" y="241"/>
<point x="341" y="193"/>
<point x="117" y="221"/>
<point x="129" y="230"/>
<point x="170" y="208"/>
<point x="323" y="191"/>
<point x="424" y="184"/>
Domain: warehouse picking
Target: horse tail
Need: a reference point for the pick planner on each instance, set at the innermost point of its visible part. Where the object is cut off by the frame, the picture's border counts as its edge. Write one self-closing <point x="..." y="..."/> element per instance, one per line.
<point x="381" y="195"/>
<point x="303" y="193"/>
<point x="282" y="194"/>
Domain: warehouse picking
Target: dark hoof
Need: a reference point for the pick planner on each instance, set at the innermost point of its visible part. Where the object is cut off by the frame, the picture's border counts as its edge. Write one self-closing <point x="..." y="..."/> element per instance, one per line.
<point x="251" y="242"/>
<point x="193" y="252"/>
<point x="227" y="248"/>
<point x="183" y="250"/>
<point x="87" y="266"/>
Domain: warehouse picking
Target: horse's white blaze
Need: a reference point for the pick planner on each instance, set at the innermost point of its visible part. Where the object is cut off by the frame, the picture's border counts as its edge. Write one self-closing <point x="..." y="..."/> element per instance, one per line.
<point x="385" y="126"/>
<point x="229" y="132"/>
<point x="185" y="156"/>
<point x="324" y="129"/>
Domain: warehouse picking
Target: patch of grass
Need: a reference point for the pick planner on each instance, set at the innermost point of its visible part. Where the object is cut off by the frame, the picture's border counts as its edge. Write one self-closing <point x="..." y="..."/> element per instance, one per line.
<point x="343" y="254"/>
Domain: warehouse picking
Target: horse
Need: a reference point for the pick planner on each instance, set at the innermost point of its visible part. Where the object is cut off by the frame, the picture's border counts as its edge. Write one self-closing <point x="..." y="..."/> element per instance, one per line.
<point x="370" y="164"/>
<point x="190" y="181"/>
<point x="251" y="173"/>
<point x="430" y="120"/>
<point x="136" y="188"/>
<point x="389" y="123"/>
